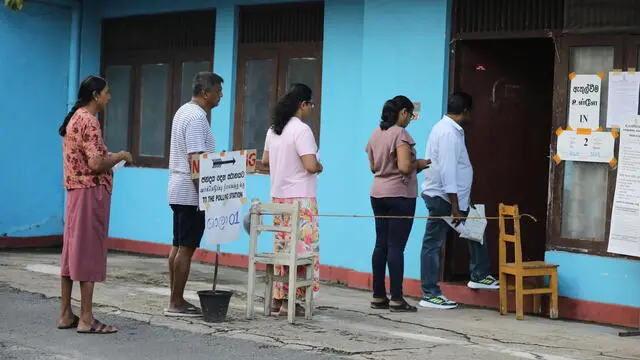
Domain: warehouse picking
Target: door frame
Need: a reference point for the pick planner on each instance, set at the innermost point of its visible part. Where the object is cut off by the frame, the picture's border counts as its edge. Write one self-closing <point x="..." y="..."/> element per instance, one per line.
<point x="454" y="85"/>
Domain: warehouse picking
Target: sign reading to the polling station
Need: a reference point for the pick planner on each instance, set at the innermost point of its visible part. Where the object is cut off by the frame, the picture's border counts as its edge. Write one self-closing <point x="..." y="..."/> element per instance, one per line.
<point x="222" y="178"/>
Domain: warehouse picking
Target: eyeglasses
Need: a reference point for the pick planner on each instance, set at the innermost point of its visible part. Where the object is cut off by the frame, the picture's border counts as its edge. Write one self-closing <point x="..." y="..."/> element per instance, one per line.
<point x="310" y="103"/>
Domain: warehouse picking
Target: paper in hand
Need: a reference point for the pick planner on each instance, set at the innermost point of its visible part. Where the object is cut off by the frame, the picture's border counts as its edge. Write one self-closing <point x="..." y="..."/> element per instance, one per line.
<point x="118" y="166"/>
<point x="474" y="226"/>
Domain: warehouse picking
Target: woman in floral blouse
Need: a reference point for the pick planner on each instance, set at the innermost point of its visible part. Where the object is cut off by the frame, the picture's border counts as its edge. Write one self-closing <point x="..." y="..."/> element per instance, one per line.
<point x="88" y="179"/>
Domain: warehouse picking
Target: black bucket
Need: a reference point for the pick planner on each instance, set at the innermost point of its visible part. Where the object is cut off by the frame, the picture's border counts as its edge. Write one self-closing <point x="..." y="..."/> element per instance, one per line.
<point x="215" y="304"/>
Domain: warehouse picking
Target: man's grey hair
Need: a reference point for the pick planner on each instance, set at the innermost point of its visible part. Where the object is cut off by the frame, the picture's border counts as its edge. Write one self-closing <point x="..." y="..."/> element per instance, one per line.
<point x="205" y="81"/>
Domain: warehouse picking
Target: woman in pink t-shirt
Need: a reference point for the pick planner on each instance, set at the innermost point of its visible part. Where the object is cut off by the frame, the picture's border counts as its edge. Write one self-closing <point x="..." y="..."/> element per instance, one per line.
<point x="290" y="153"/>
<point x="392" y="159"/>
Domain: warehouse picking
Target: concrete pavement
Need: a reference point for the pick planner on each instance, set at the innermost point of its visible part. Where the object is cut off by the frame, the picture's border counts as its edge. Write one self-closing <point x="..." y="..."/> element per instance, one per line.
<point x="26" y="334"/>
<point x="343" y="325"/>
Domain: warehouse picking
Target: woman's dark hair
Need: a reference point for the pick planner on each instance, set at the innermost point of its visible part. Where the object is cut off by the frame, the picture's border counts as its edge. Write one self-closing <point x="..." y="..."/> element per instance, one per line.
<point x="288" y="105"/>
<point x="391" y="110"/>
<point x="89" y="87"/>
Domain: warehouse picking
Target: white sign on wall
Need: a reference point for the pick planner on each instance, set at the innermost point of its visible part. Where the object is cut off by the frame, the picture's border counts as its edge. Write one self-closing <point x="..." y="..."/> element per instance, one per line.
<point x="585" y="145"/>
<point x="624" y="89"/>
<point x="584" y="101"/>
<point x="624" y="236"/>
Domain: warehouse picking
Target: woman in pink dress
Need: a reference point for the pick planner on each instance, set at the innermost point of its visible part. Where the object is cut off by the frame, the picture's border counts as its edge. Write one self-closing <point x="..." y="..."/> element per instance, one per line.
<point x="88" y="179"/>
<point x="290" y="154"/>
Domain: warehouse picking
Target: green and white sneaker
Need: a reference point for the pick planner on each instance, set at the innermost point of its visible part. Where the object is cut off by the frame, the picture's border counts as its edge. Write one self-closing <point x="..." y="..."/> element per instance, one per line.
<point x="438" y="302"/>
<point x="489" y="282"/>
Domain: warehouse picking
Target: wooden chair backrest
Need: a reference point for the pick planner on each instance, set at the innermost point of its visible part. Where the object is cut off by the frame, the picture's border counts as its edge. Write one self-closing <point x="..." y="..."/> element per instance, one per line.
<point x="509" y="213"/>
<point x="290" y="211"/>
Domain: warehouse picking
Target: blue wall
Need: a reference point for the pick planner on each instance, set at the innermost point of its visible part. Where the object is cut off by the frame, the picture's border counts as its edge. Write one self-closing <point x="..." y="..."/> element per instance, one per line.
<point x="33" y="101"/>
<point x="372" y="52"/>
<point x="598" y="279"/>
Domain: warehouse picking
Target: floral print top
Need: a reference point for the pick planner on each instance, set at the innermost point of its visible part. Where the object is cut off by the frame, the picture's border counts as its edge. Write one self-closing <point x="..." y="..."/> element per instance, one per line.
<point x="82" y="142"/>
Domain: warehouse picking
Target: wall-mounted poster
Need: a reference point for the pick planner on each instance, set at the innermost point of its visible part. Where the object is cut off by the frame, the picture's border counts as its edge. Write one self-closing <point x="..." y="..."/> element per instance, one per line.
<point x="624" y="235"/>
<point x="584" y="101"/>
<point x="624" y="92"/>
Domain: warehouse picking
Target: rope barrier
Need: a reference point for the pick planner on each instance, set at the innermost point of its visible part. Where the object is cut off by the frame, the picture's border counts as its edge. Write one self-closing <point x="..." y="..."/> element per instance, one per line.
<point x="410" y="217"/>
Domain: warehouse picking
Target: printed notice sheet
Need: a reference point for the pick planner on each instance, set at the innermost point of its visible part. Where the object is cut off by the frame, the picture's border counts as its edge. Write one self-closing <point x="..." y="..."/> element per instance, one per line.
<point x="624" y="90"/>
<point x="587" y="146"/>
<point x="624" y="236"/>
<point x="584" y="101"/>
<point x="473" y="227"/>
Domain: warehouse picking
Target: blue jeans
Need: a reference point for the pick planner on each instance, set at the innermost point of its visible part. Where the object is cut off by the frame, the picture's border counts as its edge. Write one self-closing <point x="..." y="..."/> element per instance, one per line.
<point x="434" y="237"/>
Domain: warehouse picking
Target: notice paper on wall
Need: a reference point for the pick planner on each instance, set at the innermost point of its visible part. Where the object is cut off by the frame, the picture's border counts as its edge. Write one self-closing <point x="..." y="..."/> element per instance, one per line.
<point x="473" y="227"/>
<point x="585" y="145"/>
<point x="624" y="92"/>
<point x="584" y="101"/>
<point x="624" y="235"/>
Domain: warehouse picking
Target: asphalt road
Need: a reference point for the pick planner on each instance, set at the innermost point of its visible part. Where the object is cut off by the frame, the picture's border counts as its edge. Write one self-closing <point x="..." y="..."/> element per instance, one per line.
<point x="28" y="332"/>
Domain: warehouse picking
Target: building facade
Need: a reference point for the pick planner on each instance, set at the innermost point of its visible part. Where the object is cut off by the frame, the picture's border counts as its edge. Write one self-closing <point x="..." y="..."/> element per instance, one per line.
<point x="512" y="56"/>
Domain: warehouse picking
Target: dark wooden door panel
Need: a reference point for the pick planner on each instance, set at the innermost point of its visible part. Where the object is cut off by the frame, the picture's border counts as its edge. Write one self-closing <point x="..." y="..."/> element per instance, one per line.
<point x="511" y="82"/>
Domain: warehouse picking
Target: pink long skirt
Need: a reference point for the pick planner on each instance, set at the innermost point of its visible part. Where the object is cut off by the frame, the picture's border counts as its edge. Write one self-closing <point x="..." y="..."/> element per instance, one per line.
<point x="84" y="250"/>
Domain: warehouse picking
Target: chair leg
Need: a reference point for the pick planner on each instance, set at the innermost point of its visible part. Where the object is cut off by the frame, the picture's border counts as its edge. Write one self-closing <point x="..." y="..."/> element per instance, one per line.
<point x="519" y="297"/>
<point x="308" y="304"/>
<point x="537" y="298"/>
<point x="268" y="290"/>
<point x="553" y="306"/>
<point x="292" y="294"/>
<point x="504" y="303"/>
<point x="251" y="288"/>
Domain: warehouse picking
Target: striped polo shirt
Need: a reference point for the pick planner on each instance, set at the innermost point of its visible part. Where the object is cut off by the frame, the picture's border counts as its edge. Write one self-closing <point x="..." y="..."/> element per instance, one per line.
<point x="190" y="133"/>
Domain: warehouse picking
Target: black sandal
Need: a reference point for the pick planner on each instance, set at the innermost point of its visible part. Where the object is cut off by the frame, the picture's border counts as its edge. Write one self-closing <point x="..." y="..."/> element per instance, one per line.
<point x="380" y="305"/>
<point x="404" y="307"/>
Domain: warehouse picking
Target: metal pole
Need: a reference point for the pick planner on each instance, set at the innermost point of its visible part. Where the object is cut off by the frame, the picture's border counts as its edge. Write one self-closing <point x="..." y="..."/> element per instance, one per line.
<point x="215" y="271"/>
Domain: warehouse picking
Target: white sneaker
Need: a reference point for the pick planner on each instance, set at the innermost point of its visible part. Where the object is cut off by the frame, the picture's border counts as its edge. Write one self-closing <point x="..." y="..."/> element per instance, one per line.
<point x="438" y="302"/>
<point x="489" y="282"/>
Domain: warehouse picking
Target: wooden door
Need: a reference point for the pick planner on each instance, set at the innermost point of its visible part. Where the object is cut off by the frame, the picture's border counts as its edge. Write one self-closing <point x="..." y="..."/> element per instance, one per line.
<point x="511" y="82"/>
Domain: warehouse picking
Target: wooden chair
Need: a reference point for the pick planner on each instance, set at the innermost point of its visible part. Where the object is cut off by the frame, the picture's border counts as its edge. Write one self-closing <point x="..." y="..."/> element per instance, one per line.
<point x="290" y="258"/>
<point x="521" y="269"/>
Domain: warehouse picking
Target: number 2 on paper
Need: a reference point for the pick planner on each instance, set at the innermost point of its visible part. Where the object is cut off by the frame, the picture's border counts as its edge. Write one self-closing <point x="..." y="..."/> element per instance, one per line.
<point x="586" y="141"/>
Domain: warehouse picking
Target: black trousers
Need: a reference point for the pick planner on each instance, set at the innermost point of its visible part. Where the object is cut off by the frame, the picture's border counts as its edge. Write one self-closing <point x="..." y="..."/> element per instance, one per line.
<point x="391" y="239"/>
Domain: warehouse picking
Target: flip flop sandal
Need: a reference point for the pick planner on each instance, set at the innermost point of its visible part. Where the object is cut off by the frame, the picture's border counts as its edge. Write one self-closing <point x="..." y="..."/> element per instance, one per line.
<point x="184" y="312"/>
<point x="98" y="328"/>
<point x="284" y="311"/>
<point x="380" y="305"/>
<point x="192" y="307"/>
<point x="404" y="307"/>
<point x="276" y="304"/>
<point x="73" y="325"/>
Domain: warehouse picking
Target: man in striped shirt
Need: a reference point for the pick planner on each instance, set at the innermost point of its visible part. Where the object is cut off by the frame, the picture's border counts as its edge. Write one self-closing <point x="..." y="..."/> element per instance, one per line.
<point x="190" y="134"/>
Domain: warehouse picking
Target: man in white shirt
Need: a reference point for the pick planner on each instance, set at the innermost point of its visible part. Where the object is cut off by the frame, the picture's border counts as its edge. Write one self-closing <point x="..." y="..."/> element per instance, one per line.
<point x="190" y="134"/>
<point x="446" y="191"/>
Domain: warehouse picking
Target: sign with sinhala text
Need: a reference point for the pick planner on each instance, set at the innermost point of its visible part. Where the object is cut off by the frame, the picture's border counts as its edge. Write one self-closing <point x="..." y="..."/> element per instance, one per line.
<point x="584" y="101"/>
<point x="222" y="178"/>
<point x="222" y="193"/>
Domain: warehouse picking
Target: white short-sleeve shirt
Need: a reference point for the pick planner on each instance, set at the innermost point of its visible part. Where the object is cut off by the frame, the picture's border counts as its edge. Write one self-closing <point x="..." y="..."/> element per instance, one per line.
<point x="190" y="133"/>
<point x="288" y="177"/>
